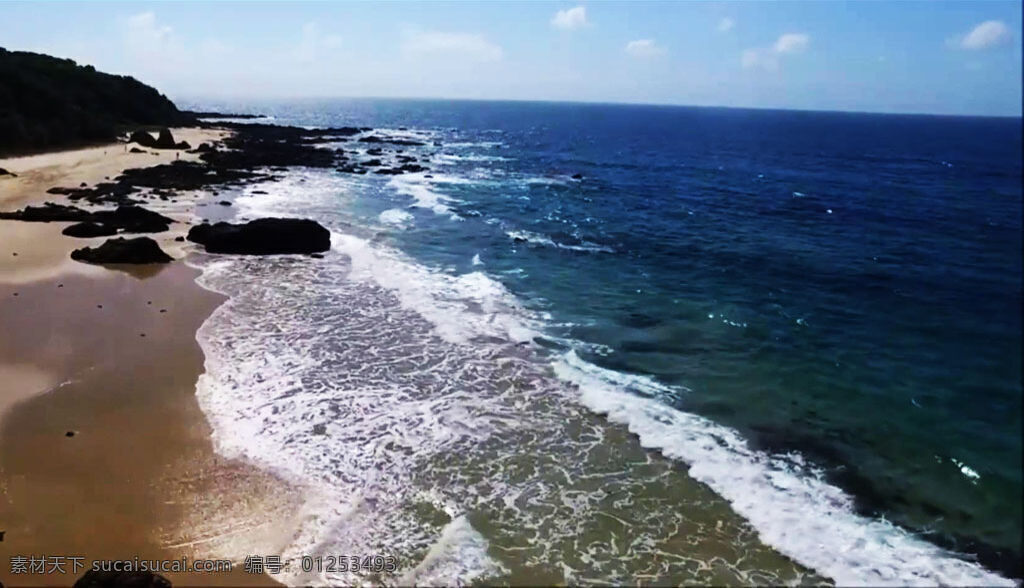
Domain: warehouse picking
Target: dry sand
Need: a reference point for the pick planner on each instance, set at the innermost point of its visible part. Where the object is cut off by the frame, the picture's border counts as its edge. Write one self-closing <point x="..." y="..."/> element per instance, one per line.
<point x="111" y="357"/>
<point x="28" y="251"/>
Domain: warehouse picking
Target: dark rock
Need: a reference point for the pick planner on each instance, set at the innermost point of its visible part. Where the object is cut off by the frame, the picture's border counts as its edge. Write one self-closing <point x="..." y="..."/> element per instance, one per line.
<point x="320" y="429"/>
<point x="393" y="141"/>
<point x="137" y="150"/>
<point x="577" y="176"/>
<point x="205" y="148"/>
<point x="89" y="229"/>
<point x="49" y="212"/>
<point x="142" y="138"/>
<point x="82" y="185"/>
<point x="259" y="191"/>
<point x="372" y="163"/>
<point x="69" y="434"/>
<point x="352" y="169"/>
<point x="112" y="579"/>
<point x="317" y="255"/>
<point x="375" y="151"/>
<point x="387" y="171"/>
<point x="4" y="172"/>
<point x="206" y="114"/>
<point x="265" y="236"/>
<point x="106" y="192"/>
<point x="121" y="250"/>
<point x="413" y="168"/>
<point x="224" y="203"/>
<point x="182" y="145"/>
<point x="165" y="140"/>
<point x="179" y="238"/>
<point x="133" y="219"/>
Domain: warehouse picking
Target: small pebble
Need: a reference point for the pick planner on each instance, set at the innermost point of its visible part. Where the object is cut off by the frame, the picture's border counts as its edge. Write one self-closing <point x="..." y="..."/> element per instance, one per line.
<point x="163" y="310"/>
<point x="149" y="302"/>
<point x="15" y="254"/>
<point x="99" y="306"/>
<point x="60" y="285"/>
<point x="69" y="434"/>
<point x="15" y="293"/>
<point x="142" y="334"/>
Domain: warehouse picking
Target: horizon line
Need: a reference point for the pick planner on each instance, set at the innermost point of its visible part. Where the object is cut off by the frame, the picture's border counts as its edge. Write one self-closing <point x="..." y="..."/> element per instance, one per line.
<point x="196" y="97"/>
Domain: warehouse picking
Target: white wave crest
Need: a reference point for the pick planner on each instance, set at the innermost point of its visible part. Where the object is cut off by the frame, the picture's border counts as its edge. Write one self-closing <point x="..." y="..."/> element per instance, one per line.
<point x="792" y="508"/>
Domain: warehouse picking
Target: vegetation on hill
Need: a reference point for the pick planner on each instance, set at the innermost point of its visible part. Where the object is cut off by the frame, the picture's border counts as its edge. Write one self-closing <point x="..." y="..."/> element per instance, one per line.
<point x="50" y="103"/>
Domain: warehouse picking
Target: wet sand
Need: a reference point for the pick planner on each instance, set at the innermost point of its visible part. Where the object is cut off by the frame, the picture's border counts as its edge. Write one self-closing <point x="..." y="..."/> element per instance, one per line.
<point x="104" y="452"/>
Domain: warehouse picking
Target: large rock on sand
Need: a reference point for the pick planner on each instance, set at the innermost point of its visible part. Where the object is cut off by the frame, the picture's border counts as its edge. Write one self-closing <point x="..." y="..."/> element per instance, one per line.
<point x="265" y="236"/>
<point x="49" y="212"/>
<point x="164" y="140"/>
<point x="130" y="218"/>
<point x="89" y="229"/>
<point x="121" y="250"/>
<point x="133" y="219"/>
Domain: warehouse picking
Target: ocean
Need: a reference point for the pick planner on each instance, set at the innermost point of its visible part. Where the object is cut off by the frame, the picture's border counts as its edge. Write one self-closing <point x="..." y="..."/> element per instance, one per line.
<point x="624" y="343"/>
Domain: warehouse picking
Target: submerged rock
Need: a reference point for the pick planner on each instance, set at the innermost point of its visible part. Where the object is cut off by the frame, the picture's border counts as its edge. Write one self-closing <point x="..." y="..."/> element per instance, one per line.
<point x="89" y="229"/>
<point x="121" y="250"/>
<point x="391" y="140"/>
<point x="266" y="236"/>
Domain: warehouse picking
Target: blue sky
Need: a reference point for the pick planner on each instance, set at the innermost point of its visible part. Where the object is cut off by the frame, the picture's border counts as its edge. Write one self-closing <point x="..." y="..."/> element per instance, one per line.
<point x="934" y="57"/>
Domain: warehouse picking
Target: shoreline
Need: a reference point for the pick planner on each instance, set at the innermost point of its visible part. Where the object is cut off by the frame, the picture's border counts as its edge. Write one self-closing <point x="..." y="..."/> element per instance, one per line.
<point x="104" y="452"/>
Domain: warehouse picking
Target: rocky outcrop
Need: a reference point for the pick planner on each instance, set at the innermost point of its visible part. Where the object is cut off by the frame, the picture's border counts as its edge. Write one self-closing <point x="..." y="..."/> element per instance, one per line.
<point x="208" y="114"/>
<point x="49" y="212"/>
<point x="133" y="219"/>
<point x="267" y="236"/>
<point x="129" y="218"/>
<point x="120" y="250"/>
<point x="164" y="140"/>
<point x="4" y="172"/>
<point x="89" y="229"/>
<point x="101" y="579"/>
<point x="391" y="140"/>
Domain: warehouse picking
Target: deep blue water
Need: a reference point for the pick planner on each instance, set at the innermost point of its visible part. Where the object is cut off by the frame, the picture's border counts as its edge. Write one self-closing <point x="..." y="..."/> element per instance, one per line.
<point x="846" y="286"/>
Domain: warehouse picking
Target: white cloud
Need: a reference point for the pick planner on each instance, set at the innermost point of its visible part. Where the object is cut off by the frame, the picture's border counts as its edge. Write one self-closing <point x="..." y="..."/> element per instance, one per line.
<point x="767" y="58"/>
<point x="143" y="28"/>
<point x="759" y="58"/>
<point x="314" y="42"/>
<point x="725" y="25"/>
<point x="791" y="43"/>
<point x="570" y="19"/>
<point x="644" y="48"/>
<point x="988" y="34"/>
<point x="150" y="46"/>
<point x="467" y="45"/>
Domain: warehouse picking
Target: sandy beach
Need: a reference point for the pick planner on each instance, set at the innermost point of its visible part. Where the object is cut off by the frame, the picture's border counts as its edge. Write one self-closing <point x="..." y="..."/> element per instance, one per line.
<point x="104" y="453"/>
